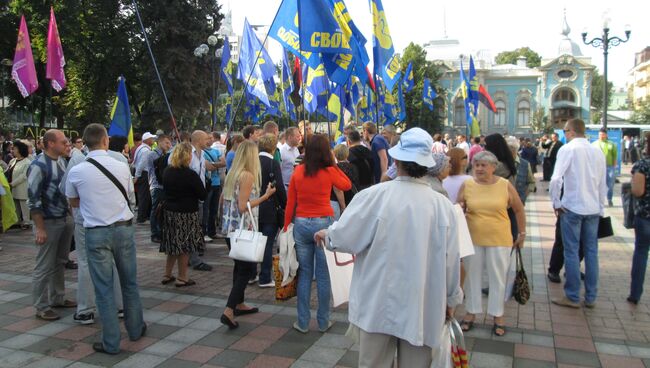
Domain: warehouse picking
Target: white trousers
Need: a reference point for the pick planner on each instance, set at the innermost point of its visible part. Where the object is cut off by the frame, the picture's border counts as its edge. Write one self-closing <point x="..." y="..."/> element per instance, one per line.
<point x="378" y="350"/>
<point x="496" y="261"/>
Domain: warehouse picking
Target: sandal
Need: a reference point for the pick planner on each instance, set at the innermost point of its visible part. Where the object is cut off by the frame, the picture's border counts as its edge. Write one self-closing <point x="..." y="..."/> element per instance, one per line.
<point x="183" y="283"/>
<point x="498" y="327"/>
<point x="167" y="279"/>
<point x="203" y="267"/>
<point x="466" y="325"/>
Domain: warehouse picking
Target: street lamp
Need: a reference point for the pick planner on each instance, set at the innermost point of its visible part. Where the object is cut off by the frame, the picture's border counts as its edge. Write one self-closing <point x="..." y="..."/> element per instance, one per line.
<point x="5" y="63"/>
<point x="605" y="42"/>
<point x="202" y="51"/>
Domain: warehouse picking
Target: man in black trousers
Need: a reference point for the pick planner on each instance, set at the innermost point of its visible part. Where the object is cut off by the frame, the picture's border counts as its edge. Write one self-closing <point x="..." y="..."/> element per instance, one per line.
<point x="552" y="148"/>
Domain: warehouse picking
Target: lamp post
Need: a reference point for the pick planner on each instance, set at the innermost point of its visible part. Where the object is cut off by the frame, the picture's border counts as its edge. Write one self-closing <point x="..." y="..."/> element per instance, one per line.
<point x="6" y="63"/>
<point x="605" y="42"/>
<point x="202" y="51"/>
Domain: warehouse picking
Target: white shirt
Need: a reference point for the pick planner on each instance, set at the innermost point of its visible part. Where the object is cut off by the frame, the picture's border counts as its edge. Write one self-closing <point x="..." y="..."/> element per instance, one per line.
<point x="464" y="146"/>
<point x="439" y="147"/>
<point x="197" y="164"/>
<point x="138" y="154"/>
<point x="101" y="203"/>
<point x="407" y="267"/>
<point x="288" y="155"/>
<point x="452" y="185"/>
<point x="580" y="167"/>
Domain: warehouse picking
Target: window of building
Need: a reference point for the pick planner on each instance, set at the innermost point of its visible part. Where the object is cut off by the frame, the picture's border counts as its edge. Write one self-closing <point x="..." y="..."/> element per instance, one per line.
<point x="459" y="112"/>
<point x="564" y="94"/>
<point x="500" y="116"/>
<point x="523" y="112"/>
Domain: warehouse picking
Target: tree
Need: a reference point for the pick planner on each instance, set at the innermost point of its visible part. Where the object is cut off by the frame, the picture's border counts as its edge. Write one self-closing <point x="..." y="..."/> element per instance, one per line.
<point x="641" y="114"/>
<point x="533" y="59"/>
<point x="416" y="113"/>
<point x="539" y="121"/>
<point x="597" y="91"/>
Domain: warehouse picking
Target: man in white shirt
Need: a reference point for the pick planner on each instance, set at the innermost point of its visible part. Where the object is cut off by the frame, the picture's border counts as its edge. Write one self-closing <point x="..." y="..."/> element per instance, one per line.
<point x="110" y="236"/>
<point x="580" y="169"/>
<point x="289" y="153"/>
<point x="462" y="143"/>
<point x="142" y="177"/>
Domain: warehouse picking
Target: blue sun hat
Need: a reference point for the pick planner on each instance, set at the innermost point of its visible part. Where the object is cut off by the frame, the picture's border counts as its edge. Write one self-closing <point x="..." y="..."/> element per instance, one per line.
<point x="414" y="145"/>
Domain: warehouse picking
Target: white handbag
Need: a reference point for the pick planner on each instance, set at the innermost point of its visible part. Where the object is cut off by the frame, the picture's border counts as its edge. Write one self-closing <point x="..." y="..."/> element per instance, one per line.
<point x="246" y="245"/>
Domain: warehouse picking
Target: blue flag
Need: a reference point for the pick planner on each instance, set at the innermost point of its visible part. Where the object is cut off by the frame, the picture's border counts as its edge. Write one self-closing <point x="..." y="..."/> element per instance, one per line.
<point x="315" y="85"/>
<point x="409" y="81"/>
<point x="255" y="63"/>
<point x="121" y="114"/>
<point x="285" y="30"/>
<point x="335" y="106"/>
<point x="402" y="103"/>
<point x="471" y="105"/>
<point x="428" y="94"/>
<point x="387" y="64"/>
<point x="226" y="66"/>
<point x="366" y="107"/>
<point x="287" y="87"/>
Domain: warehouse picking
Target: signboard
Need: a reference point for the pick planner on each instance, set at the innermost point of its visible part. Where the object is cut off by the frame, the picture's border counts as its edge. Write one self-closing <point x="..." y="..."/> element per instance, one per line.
<point x="614" y="135"/>
<point x="33" y="132"/>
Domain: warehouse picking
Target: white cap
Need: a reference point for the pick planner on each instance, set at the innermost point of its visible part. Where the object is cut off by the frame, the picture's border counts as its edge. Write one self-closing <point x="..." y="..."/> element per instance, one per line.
<point x="148" y="135"/>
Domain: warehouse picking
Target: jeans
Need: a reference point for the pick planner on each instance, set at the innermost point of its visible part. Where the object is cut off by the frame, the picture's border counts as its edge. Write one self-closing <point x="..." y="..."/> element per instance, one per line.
<point x="144" y="197"/>
<point x="556" y="262"/>
<point x="270" y="231"/>
<point x="106" y="245"/>
<point x="241" y="273"/>
<point x="337" y="209"/>
<point x="640" y="257"/>
<point x="48" y="284"/>
<point x="576" y="229"/>
<point x="303" y="233"/>
<point x="85" y="291"/>
<point x="210" y="207"/>
<point x="156" y="197"/>
<point x="611" y="178"/>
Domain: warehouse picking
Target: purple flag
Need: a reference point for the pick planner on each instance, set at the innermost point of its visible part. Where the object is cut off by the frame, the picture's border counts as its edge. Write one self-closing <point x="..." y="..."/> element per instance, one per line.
<point x="23" y="70"/>
<point x="55" y="60"/>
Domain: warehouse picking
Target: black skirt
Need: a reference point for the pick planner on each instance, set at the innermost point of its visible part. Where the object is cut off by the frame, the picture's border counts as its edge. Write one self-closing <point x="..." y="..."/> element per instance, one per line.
<point x="181" y="233"/>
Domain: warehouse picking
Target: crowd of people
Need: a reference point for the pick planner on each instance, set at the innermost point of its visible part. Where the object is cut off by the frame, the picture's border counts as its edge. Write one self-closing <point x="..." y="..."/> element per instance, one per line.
<point x="383" y="196"/>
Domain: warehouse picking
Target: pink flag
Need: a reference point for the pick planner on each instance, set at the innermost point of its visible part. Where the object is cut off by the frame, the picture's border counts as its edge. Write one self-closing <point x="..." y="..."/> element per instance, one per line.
<point x="55" y="60"/>
<point x="23" y="70"/>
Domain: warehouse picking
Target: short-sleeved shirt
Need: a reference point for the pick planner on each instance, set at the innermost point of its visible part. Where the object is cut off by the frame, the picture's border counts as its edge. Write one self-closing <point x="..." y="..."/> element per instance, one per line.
<point x="377" y="144"/>
<point x="642" y="208"/>
<point x="213" y="155"/>
<point x="230" y="157"/>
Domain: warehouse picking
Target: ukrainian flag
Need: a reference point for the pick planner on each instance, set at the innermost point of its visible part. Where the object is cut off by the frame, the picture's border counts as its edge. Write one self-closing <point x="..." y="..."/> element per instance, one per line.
<point x="121" y="114"/>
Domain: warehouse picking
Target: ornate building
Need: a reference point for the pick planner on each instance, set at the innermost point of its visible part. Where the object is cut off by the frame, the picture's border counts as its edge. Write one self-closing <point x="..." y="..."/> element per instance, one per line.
<point x="560" y="87"/>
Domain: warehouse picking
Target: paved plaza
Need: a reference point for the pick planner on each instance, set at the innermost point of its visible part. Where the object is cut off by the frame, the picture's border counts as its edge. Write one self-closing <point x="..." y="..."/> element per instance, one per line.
<point x="184" y="328"/>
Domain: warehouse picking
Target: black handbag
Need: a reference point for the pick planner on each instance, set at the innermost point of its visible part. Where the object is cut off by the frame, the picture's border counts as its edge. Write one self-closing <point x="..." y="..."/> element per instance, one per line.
<point x="279" y="211"/>
<point x="628" y="205"/>
<point x="605" y="227"/>
<point x="521" y="289"/>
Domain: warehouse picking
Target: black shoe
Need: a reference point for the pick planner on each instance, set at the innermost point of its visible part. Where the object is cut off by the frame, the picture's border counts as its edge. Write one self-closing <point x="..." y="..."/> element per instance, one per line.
<point x="554" y="277"/>
<point x="99" y="347"/>
<point x="155" y="239"/>
<point x="70" y="265"/>
<point x="243" y="312"/>
<point x="629" y="299"/>
<point x="203" y="267"/>
<point x="226" y="321"/>
<point x="120" y="313"/>
<point x="582" y="276"/>
<point x="84" y="319"/>
<point x="144" y="331"/>
<point x="485" y="291"/>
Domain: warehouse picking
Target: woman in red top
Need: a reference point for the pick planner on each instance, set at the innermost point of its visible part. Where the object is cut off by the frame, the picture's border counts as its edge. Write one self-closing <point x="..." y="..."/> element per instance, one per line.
<point x="309" y="200"/>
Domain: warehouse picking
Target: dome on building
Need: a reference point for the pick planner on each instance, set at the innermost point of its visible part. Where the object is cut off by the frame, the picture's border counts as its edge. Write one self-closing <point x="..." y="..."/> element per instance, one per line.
<point x="567" y="46"/>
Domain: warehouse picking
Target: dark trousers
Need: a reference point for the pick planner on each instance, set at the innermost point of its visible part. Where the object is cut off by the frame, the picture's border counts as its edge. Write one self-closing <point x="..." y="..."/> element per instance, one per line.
<point x="210" y="208"/>
<point x="547" y="169"/>
<point x="156" y="227"/>
<point x="144" y="197"/>
<point x="557" y="254"/>
<point x="270" y="231"/>
<point x="241" y="274"/>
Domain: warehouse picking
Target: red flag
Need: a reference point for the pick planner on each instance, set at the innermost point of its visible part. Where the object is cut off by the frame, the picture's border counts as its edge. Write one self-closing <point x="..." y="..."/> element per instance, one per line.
<point x="297" y="82"/>
<point x="371" y="80"/>
<point x="23" y="71"/>
<point x="55" y="59"/>
<point x="485" y="98"/>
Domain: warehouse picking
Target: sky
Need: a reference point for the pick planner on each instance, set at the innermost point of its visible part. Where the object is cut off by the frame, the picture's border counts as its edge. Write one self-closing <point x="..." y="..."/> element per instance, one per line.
<point x="494" y="25"/>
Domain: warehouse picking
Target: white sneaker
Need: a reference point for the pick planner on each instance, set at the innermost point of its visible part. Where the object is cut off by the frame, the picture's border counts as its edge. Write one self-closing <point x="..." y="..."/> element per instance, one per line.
<point x="269" y="285"/>
<point x="254" y="280"/>
<point x="84" y="319"/>
<point x="207" y="239"/>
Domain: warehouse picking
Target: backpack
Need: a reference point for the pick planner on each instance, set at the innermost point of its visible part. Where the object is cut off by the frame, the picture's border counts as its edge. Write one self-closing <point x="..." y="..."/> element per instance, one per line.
<point x="159" y="166"/>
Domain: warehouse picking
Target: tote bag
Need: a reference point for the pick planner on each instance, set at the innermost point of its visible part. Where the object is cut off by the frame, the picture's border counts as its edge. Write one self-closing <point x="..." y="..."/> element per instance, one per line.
<point x="246" y="245"/>
<point x="340" y="266"/>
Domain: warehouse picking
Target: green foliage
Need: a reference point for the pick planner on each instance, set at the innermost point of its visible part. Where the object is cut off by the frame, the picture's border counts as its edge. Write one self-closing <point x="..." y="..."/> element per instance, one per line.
<point x="416" y="113"/>
<point x="539" y="122"/>
<point x="641" y="113"/>
<point x="103" y="40"/>
<point x="533" y="59"/>
<point x="597" y="90"/>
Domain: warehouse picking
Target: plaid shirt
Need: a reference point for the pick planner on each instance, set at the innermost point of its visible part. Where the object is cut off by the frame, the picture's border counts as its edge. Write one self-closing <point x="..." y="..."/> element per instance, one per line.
<point x="44" y="195"/>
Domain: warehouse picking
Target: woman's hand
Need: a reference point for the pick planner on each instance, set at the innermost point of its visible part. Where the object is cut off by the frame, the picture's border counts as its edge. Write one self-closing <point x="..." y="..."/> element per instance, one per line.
<point x="270" y="190"/>
<point x="319" y="237"/>
<point x="519" y="243"/>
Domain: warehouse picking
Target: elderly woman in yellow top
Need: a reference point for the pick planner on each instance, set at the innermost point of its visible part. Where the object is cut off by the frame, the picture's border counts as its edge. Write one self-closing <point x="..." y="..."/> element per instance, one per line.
<point x="486" y="199"/>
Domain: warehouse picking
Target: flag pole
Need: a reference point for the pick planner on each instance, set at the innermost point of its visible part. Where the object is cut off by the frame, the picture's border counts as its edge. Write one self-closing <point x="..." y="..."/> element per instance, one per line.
<point x="155" y="66"/>
<point x="377" y="92"/>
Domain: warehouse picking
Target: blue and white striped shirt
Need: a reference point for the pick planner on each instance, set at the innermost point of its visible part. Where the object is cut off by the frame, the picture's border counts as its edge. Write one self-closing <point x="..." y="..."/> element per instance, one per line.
<point x="44" y="195"/>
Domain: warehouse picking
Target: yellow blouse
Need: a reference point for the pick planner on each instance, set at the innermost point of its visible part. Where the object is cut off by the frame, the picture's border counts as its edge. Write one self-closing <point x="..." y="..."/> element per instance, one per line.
<point x="487" y="213"/>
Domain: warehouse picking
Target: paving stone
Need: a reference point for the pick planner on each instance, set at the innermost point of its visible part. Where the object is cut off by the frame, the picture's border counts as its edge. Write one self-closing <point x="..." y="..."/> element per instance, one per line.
<point x="49" y="345"/>
<point x="612" y="349"/>
<point x="538" y="340"/>
<point x="21" y="341"/>
<point x="349" y="359"/>
<point x="187" y="335"/>
<point x="160" y="331"/>
<point x="140" y="360"/>
<point x="268" y="332"/>
<point x="615" y="361"/>
<point x="219" y="340"/>
<point x="152" y="316"/>
<point x="74" y="352"/>
<point x="488" y="360"/>
<point x="6" y="320"/>
<point x="19" y="359"/>
<point x="176" y="363"/>
<point x="279" y="320"/>
<point x="178" y="320"/>
<point x="251" y="344"/>
<point x="49" y="362"/>
<point x="310" y="364"/>
<point x="106" y="360"/>
<point x="197" y="310"/>
<point x="577" y="357"/>
<point x="206" y="324"/>
<point x="50" y="329"/>
<point x="270" y="361"/>
<point x="149" y="303"/>
<point x="198" y="353"/>
<point x="494" y="347"/>
<point x="165" y="348"/>
<point x="233" y="359"/>
<point x="636" y="351"/>
<point x="530" y="363"/>
<point x="298" y="337"/>
<point x="287" y="349"/>
<point x="243" y="329"/>
<point x="5" y="334"/>
<point x="6" y="308"/>
<point x="323" y="355"/>
<point x="334" y="341"/>
<point x="534" y="352"/>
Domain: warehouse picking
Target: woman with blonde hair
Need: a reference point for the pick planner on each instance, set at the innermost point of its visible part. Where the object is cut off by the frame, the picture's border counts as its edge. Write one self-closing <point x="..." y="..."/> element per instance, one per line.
<point x="458" y="162"/>
<point x="241" y="189"/>
<point x="182" y="233"/>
